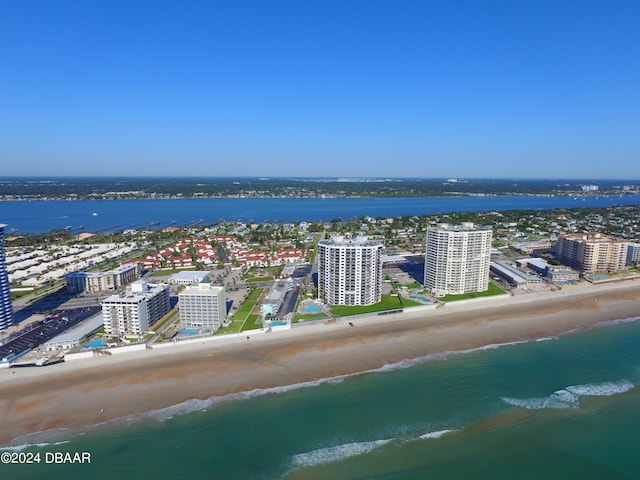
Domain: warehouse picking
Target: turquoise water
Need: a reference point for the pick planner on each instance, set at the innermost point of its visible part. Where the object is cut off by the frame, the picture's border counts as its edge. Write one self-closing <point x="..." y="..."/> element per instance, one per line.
<point x="311" y="309"/>
<point x="566" y="407"/>
<point x="418" y="297"/>
<point x="96" y="344"/>
<point x="278" y="324"/>
<point x="189" y="331"/>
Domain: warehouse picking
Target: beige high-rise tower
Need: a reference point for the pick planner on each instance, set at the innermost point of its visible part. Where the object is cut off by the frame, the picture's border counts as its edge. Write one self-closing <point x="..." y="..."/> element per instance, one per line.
<point x="592" y="252"/>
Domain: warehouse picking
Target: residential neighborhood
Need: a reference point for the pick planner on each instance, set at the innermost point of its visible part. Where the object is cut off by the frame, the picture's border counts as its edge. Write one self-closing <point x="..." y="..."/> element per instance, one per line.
<point x="247" y="264"/>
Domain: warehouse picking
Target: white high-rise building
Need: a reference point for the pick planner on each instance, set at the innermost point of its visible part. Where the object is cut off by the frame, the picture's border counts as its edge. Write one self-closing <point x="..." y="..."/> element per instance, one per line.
<point x="203" y="306"/>
<point x="133" y="312"/>
<point x="350" y="271"/>
<point x="6" y="304"/>
<point x="457" y="259"/>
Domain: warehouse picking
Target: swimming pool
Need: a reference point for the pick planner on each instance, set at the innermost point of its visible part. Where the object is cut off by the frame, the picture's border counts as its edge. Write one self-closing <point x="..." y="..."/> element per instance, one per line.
<point x="189" y="331"/>
<point x="278" y="324"/>
<point x="97" y="344"/>
<point x="311" y="309"/>
<point x="418" y="297"/>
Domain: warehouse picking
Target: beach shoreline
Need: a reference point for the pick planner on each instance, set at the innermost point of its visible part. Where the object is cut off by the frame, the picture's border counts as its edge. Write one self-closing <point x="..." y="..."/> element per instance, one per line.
<point x="73" y="397"/>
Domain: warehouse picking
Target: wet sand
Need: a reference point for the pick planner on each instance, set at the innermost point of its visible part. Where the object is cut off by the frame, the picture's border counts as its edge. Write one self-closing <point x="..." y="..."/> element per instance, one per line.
<point x="78" y="394"/>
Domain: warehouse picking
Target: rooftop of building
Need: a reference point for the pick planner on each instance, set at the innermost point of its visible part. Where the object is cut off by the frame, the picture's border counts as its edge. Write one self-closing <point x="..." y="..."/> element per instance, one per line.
<point x="120" y="269"/>
<point x="278" y="291"/>
<point x="537" y="262"/>
<point x="510" y="270"/>
<point x="138" y="290"/>
<point x="592" y="237"/>
<point x="463" y="227"/>
<point x="80" y="330"/>
<point x="203" y="288"/>
<point x="189" y="275"/>
<point x="341" y="241"/>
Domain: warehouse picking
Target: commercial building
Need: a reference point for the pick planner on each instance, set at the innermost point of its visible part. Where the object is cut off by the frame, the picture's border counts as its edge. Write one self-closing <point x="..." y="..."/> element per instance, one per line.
<point x="539" y="246"/>
<point x="516" y="276"/>
<point x="555" y="273"/>
<point x="110" y="281"/>
<point x="75" y="335"/>
<point x="592" y="252"/>
<point x="561" y="274"/>
<point x="457" y="259"/>
<point x="202" y="307"/>
<point x="133" y="312"/>
<point x="188" y="277"/>
<point x="350" y="271"/>
<point x="6" y="305"/>
<point x="274" y="299"/>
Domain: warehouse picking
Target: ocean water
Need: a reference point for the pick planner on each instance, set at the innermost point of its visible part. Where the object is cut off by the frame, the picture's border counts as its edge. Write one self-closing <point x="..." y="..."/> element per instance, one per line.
<point x="113" y="215"/>
<point x="564" y="407"/>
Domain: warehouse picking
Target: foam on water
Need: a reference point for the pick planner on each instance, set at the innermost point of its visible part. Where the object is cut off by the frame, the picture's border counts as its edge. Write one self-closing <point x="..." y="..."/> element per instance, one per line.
<point x="546" y="339"/>
<point x="196" y="405"/>
<point x="437" y="434"/>
<point x="558" y="399"/>
<point x="601" y="389"/>
<point x="411" y="362"/>
<point x="569" y="397"/>
<point x="338" y="452"/>
<point x="42" y="438"/>
<point x="19" y="448"/>
<point x="619" y="321"/>
<point x="351" y="449"/>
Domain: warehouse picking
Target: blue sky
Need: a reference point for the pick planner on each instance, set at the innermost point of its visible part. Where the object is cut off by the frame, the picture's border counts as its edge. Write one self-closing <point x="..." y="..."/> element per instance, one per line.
<point x="509" y="88"/>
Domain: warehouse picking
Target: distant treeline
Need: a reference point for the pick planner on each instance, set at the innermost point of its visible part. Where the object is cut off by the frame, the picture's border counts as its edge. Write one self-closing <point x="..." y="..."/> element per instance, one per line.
<point x="144" y="187"/>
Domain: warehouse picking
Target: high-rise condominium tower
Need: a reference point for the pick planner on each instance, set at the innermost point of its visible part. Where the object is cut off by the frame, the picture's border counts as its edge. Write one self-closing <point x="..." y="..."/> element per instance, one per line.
<point x="350" y="271"/>
<point x="592" y="252"/>
<point x="457" y="259"/>
<point x="6" y="305"/>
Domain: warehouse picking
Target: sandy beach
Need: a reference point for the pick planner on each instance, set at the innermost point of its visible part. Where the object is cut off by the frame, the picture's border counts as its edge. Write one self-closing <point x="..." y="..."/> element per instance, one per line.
<point x="77" y="395"/>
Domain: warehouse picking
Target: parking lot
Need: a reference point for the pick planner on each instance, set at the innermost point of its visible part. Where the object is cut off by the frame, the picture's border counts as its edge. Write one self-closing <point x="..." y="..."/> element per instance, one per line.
<point x="46" y="329"/>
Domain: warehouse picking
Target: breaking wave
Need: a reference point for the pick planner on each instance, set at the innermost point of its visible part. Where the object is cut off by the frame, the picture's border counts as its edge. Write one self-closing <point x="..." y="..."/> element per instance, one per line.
<point x="338" y="452"/>
<point x="438" y="434"/>
<point x="44" y="438"/>
<point x="605" y="389"/>
<point x="352" y="449"/>
<point x="569" y="397"/>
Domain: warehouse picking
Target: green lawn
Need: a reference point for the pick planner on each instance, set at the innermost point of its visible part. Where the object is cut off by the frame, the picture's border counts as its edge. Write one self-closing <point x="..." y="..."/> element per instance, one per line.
<point x="172" y="315"/>
<point x="234" y="327"/>
<point x="306" y="316"/>
<point x="19" y="294"/>
<point x="258" y="279"/>
<point x="252" y="322"/>
<point x="246" y="308"/>
<point x="243" y="319"/>
<point x="388" y="302"/>
<point x="494" y="289"/>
